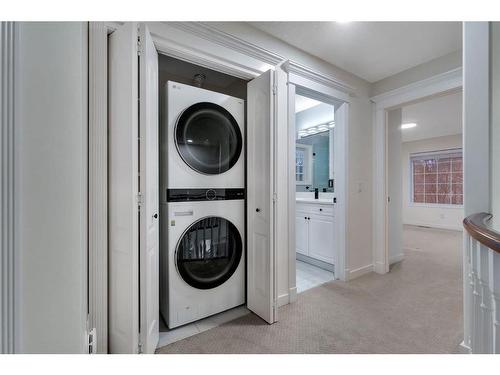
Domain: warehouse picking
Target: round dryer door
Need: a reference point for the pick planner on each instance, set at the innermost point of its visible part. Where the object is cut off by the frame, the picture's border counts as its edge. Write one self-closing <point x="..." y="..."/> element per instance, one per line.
<point x="208" y="138"/>
<point x="209" y="252"/>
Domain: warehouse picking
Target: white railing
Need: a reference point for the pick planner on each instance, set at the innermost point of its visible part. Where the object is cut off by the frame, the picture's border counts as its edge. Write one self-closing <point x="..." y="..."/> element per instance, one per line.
<point x="481" y="285"/>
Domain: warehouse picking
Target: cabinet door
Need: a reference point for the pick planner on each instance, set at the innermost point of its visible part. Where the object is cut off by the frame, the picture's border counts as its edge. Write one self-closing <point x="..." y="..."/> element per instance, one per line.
<point x="301" y="233"/>
<point x="321" y="238"/>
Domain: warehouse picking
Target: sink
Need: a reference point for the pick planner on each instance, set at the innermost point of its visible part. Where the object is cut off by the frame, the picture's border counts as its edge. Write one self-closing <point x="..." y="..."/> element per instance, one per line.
<point x="312" y="200"/>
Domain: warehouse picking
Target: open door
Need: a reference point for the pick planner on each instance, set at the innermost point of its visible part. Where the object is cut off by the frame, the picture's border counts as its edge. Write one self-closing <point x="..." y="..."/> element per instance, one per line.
<point x="123" y="286"/>
<point x="261" y="186"/>
<point x="133" y="191"/>
<point x="148" y="185"/>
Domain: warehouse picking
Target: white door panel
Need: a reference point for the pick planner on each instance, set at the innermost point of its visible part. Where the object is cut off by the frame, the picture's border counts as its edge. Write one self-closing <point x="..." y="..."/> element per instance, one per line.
<point x="123" y="188"/>
<point x="260" y="165"/>
<point x="148" y="172"/>
<point x="301" y="233"/>
<point x="133" y="170"/>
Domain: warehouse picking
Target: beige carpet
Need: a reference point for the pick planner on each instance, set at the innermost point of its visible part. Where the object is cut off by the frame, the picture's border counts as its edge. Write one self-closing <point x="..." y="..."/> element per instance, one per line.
<point x="416" y="308"/>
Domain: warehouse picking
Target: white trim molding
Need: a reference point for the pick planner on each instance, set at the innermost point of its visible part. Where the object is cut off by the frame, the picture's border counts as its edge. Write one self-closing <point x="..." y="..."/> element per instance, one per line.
<point x="228" y="64"/>
<point x="98" y="184"/>
<point x="224" y="39"/>
<point x="7" y="191"/>
<point x="477" y="99"/>
<point x="358" y="272"/>
<point x="437" y="85"/>
<point x="440" y="83"/>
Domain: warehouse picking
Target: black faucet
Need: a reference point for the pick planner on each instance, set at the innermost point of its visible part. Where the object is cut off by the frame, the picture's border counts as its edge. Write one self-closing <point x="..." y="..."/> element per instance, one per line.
<point x="316" y="193"/>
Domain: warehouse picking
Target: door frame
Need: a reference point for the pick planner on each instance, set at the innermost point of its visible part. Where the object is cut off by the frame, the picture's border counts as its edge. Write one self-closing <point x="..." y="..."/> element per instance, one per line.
<point x="304" y="87"/>
<point x="8" y="194"/>
<point x="437" y="85"/>
<point x="194" y="42"/>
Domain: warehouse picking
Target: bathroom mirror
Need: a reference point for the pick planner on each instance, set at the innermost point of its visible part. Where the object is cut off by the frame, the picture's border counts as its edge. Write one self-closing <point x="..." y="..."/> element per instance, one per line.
<point x="315" y="128"/>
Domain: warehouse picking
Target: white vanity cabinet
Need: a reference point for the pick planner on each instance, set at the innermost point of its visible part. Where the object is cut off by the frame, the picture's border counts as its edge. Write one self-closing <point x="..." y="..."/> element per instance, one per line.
<point x="315" y="231"/>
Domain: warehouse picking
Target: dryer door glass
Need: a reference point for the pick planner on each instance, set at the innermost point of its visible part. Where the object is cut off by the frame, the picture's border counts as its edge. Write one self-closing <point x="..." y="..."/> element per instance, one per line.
<point x="208" y="138"/>
<point x="209" y="252"/>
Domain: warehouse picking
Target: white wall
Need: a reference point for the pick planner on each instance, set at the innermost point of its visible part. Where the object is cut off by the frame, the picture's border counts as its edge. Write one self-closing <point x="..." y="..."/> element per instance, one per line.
<point x="360" y="203"/>
<point x="51" y="185"/>
<point x="418" y="73"/>
<point x="359" y="239"/>
<point x="431" y="216"/>
<point x="495" y="120"/>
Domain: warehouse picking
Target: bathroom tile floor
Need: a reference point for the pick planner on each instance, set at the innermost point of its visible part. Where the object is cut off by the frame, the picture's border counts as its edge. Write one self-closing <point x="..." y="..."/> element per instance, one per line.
<point x="309" y="276"/>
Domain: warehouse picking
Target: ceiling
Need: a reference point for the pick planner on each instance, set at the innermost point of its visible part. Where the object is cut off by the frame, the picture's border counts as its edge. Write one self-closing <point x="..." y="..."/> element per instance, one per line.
<point x="435" y="117"/>
<point x="370" y="50"/>
<point x="302" y="103"/>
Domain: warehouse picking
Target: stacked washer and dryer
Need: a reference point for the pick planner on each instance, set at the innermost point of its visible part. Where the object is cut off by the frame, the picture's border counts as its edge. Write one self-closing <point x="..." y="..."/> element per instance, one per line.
<point x="202" y="204"/>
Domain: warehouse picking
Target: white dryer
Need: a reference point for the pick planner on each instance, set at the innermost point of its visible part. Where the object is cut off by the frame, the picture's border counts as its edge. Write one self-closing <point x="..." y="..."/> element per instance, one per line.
<point x="204" y="139"/>
<point x="203" y="266"/>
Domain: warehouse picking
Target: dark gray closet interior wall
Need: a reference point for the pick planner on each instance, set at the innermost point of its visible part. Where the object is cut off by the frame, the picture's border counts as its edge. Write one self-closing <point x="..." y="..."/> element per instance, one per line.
<point x="183" y="72"/>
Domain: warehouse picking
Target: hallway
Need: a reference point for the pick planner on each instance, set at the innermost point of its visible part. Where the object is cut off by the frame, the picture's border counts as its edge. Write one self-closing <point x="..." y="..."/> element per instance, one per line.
<point x="416" y="308"/>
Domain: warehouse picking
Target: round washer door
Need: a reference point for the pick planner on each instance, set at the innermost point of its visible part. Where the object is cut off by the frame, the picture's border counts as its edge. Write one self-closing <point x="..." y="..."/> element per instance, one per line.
<point x="209" y="252"/>
<point x="208" y="138"/>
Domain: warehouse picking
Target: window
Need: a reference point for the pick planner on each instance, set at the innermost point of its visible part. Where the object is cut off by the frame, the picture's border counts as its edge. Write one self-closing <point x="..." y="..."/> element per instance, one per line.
<point x="303" y="164"/>
<point x="437" y="177"/>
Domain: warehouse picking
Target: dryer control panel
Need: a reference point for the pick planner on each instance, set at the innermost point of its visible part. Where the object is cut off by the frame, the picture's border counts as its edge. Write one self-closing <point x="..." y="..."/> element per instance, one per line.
<point x="189" y="195"/>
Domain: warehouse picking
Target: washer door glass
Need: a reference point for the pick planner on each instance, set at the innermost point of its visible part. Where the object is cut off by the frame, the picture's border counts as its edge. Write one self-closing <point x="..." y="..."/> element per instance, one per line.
<point x="209" y="252"/>
<point x="208" y="138"/>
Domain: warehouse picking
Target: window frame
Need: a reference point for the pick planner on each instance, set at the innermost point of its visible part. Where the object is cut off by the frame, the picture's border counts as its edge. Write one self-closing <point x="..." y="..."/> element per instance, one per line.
<point x="308" y="164"/>
<point x="411" y="155"/>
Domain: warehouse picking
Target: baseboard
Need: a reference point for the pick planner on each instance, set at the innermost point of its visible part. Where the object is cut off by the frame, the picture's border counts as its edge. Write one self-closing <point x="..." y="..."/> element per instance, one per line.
<point x="283" y="300"/>
<point x="357" y="272"/>
<point x="292" y="292"/>
<point x="396" y="258"/>
<point x="464" y="349"/>
<point x="379" y="267"/>
<point x="436" y="226"/>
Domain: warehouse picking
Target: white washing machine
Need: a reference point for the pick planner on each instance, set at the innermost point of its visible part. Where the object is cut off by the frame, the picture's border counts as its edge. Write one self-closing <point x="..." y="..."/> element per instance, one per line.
<point x="204" y="139"/>
<point x="203" y="266"/>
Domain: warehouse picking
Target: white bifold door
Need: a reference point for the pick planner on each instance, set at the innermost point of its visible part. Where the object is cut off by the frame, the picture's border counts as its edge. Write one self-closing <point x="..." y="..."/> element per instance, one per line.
<point x="133" y="191"/>
<point x="265" y="101"/>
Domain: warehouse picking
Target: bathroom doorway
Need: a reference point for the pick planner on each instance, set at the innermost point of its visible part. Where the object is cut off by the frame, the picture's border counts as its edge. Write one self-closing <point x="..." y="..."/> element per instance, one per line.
<point x="317" y="142"/>
<point x="314" y="192"/>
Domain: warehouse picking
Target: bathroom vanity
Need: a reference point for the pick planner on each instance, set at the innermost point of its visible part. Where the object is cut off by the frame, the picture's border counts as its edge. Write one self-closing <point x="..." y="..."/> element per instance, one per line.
<point x="315" y="230"/>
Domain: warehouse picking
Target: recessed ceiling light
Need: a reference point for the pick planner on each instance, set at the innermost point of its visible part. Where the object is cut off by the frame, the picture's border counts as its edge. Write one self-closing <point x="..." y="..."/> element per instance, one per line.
<point x="408" y="125"/>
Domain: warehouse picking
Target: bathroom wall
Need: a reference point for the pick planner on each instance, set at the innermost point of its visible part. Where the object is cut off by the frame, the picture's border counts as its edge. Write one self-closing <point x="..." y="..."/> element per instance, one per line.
<point x="319" y="114"/>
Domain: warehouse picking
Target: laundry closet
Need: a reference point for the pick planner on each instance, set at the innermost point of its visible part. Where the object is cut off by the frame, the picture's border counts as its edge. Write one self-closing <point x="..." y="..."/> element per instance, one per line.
<point x="201" y="183"/>
<point x="202" y="158"/>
